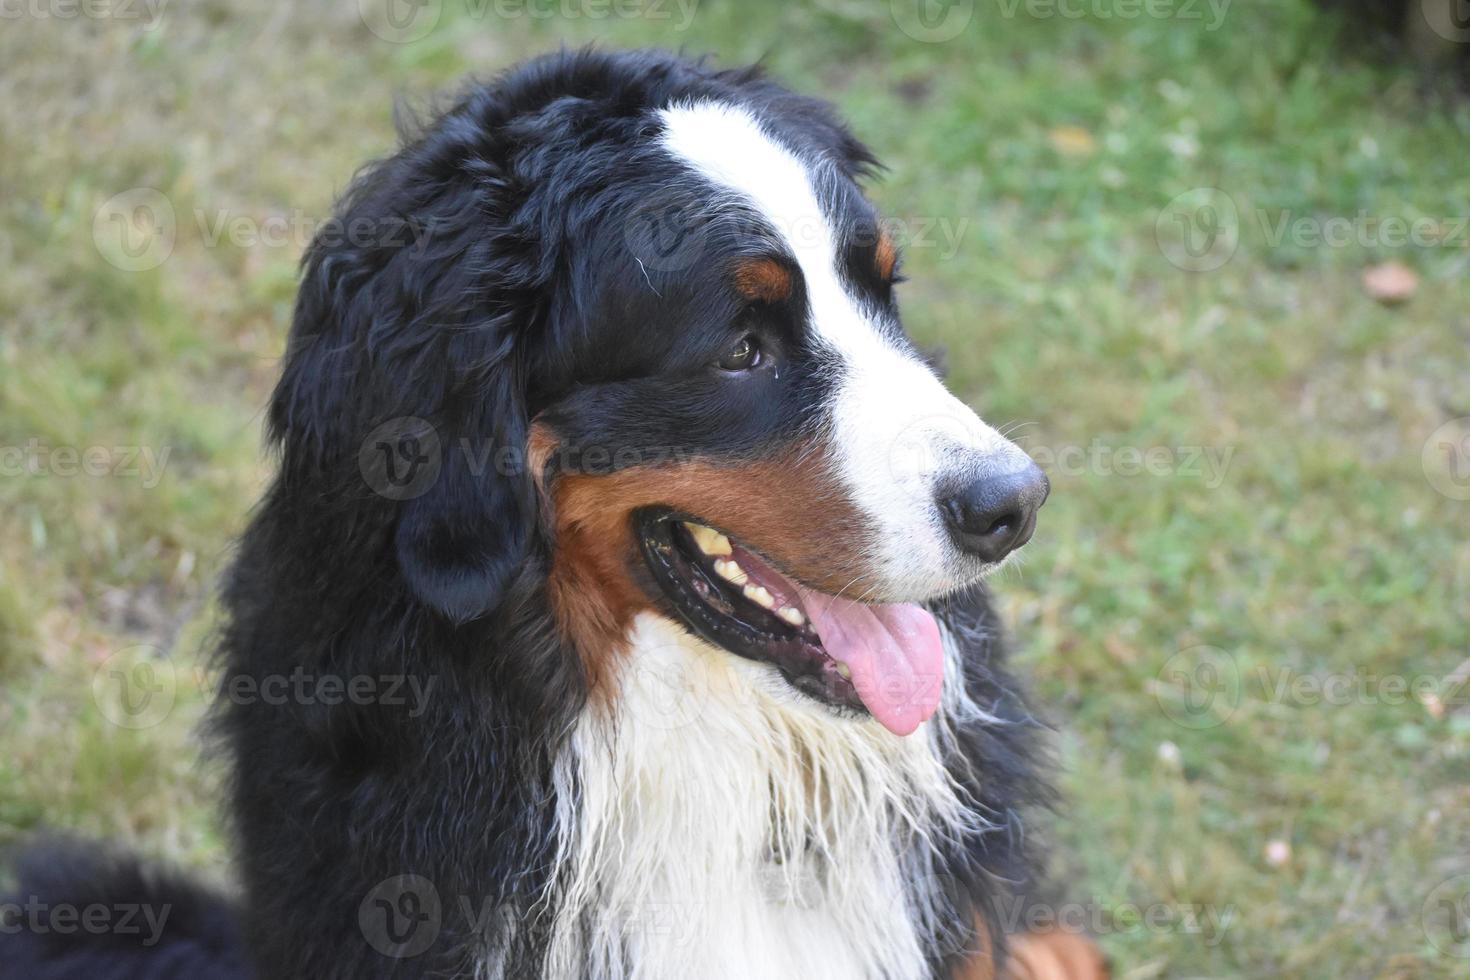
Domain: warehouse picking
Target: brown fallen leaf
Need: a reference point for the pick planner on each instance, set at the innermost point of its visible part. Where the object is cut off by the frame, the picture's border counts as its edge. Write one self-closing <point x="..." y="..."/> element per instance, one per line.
<point x="1072" y="141"/>
<point x="1119" y="649"/>
<point x="1390" y="283"/>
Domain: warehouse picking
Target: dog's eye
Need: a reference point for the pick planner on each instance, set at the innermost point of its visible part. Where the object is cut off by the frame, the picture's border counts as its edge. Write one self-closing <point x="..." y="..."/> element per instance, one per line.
<point x="745" y="355"/>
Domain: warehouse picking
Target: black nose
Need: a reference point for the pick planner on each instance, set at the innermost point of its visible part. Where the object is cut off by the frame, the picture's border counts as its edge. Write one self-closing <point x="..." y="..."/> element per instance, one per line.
<point x="994" y="515"/>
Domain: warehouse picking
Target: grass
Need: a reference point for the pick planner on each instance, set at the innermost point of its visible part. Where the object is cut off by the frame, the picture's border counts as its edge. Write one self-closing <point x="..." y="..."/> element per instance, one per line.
<point x="1033" y="158"/>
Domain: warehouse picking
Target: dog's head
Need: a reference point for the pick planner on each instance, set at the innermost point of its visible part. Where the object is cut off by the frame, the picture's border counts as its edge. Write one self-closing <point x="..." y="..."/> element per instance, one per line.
<point x="640" y="325"/>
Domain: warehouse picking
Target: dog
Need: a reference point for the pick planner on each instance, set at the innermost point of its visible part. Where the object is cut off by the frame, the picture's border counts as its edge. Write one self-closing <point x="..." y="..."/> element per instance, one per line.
<point x="598" y="429"/>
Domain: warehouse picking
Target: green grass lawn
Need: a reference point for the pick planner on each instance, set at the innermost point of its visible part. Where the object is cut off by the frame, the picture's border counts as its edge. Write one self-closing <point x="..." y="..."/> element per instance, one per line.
<point x="1219" y="627"/>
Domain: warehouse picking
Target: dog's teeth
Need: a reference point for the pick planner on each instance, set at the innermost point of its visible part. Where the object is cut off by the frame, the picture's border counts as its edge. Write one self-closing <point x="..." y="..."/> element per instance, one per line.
<point x="730" y="571"/>
<point x="710" y="541"/>
<point x="759" y="595"/>
<point x="844" y="670"/>
<point x="791" y="615"/>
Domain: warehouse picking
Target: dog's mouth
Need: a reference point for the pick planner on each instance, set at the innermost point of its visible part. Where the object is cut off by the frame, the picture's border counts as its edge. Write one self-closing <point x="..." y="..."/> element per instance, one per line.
<point x="857" y="658"/>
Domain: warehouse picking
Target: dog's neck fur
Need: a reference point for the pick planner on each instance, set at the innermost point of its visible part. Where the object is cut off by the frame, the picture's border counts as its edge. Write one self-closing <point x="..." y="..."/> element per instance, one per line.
<point x="713" y="825"/>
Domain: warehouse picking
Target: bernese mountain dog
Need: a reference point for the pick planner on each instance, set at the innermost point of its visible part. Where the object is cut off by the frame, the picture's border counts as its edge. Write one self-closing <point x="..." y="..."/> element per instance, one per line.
<point x="598" y="428"/>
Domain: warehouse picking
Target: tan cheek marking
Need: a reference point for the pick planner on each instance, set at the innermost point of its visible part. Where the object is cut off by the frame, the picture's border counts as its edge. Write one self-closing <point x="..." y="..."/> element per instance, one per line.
<point x="1051" y="955"/>
<point x="886" y="256"/>
<point x="765" y="280"/>
<point x="540" y="444"/>
<point x="591" y="589"/>
<point x="592" y="595"/>
<point x="1054" y="955"/>
<point x="789" y="508"/>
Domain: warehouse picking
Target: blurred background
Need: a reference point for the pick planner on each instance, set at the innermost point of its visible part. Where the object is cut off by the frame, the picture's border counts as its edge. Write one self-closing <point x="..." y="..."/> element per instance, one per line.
<point x="1209" y="260"/>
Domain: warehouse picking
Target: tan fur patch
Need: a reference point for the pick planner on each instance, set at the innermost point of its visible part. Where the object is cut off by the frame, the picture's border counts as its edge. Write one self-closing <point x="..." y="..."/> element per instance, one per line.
<point x="763" y="279"/>
<point x="788" y="508"/>
<point x="1050" y="955"/>
<point x="886" y="256"/>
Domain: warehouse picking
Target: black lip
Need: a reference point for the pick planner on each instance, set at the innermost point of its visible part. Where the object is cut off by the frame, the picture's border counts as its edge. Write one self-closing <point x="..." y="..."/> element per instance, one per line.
<point x="704" y="603"/>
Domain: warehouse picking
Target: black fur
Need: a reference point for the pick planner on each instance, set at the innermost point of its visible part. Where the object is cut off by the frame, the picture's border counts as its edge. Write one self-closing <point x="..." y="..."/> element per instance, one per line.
<point x="1395" y="28"/>
<point x="143" y="922"/>
<point x="497" y="286"/>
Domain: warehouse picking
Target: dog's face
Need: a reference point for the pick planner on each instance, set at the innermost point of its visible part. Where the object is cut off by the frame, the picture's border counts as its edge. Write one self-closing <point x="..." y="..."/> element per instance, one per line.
<point x="664" y="288"/>
<point x="748" y="442"/>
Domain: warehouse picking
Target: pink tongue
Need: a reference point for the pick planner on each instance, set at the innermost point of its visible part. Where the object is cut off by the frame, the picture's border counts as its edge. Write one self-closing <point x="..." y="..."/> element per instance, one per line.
<point x="894" y="653"/>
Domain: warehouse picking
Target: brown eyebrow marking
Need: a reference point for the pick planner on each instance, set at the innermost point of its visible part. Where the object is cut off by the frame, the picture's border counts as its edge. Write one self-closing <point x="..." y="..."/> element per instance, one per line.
<point x="762" y="279"/>
<point x="885" y="256"/>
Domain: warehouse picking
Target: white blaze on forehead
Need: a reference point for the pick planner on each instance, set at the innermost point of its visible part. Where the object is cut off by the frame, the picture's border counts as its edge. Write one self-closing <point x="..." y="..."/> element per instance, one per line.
<point x="896" y="430"/>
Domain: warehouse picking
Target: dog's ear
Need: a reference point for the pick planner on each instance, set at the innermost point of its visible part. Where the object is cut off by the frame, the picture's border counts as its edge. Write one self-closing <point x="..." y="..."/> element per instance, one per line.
<point x="461" y="542"/>
<point x="401" y="410"/>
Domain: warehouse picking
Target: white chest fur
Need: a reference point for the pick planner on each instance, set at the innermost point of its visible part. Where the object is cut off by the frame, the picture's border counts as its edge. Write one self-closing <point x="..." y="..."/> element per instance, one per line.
<point x="718" y="825"/>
